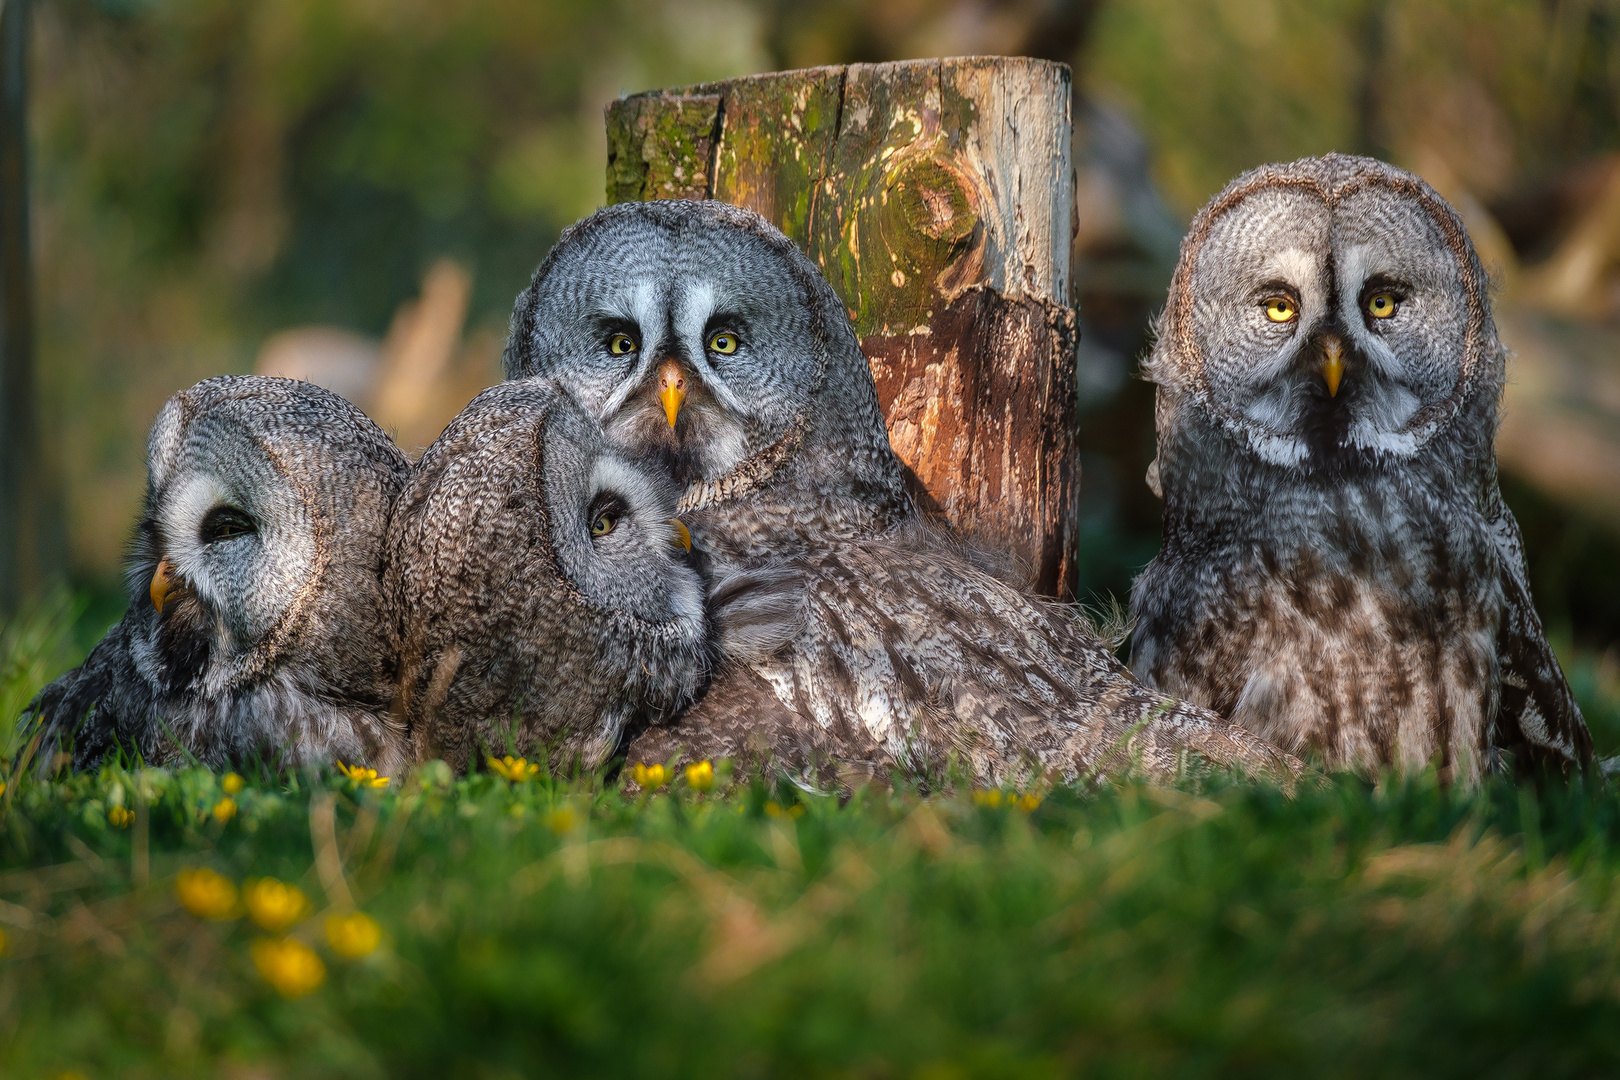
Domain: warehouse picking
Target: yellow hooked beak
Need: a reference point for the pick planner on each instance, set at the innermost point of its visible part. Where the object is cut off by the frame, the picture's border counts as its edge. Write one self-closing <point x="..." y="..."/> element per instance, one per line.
<point x="671" y="388"/>
<point x="1332" y="364"/>
<point x="683" y="538"/>
<point x="162" y="582"/>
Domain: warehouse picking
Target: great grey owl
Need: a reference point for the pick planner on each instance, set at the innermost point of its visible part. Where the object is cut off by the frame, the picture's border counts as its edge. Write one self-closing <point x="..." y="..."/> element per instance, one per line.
<point x="257" y="626"/>
<point x="1339" y="572"/>
<point x="543" y="593"/>
<point x="702" y="338"/>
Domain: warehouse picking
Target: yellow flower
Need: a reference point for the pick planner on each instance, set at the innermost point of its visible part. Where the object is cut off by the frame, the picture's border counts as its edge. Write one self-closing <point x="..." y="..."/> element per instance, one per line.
<point x="206" y="894"/>
<point x="2" y="943"/>
<point x="353" y="935"/>
<point x="288" y="965"/>
<point x="361" y="775"/>
<point x="991" y="798"/>
<point x="2" y="787"/>
<point x="649" y="776"/>
<point x="224" y="810"/>
<point x="231" y="783"/>
<point x="1027" y="801"/>
<point x="119" y="818"/>
<point x="774" y="809"/>
<point x="274" y="905"/>
<point x="514" y="769"/>
<point x="700" y="776"/>
<point x="561" y="820"/>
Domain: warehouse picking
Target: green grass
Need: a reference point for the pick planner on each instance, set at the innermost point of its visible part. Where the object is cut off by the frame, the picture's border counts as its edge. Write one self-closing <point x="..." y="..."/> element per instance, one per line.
<point x="554" y="927"/>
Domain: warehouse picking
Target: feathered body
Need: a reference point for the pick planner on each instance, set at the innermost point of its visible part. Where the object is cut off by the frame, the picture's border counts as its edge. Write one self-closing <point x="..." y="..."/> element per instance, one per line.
<point x="261" y="539"/>
<point x="702" y="338"/>
<point x="912" y="660"/>
<point x="1339" y="573"/>
<point x="543" y="602"/>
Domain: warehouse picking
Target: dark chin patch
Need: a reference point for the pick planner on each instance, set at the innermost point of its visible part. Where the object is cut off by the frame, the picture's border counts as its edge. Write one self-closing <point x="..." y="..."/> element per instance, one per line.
<point x="183" y="642"/>
<point x="682" y="451"/>
<point x="1324" y="425"/>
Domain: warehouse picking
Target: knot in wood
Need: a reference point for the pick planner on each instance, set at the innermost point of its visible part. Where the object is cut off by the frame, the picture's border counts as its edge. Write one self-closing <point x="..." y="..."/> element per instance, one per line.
<point x="934" y="200"/>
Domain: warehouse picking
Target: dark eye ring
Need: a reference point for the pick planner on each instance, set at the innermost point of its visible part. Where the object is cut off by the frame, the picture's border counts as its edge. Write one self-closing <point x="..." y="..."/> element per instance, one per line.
<point x="603" y="523"/>
<point x="226" y="523"/>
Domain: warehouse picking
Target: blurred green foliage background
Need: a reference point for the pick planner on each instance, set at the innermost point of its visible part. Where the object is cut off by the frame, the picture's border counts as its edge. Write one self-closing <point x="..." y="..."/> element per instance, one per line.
<point x="209" y="172"/>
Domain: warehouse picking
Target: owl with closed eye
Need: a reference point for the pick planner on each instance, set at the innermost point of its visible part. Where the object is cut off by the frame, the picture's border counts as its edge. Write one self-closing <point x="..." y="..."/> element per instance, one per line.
<point x="540" y="578"/>
<point x="257" y="625"/>
<point x="1339" y="573"/>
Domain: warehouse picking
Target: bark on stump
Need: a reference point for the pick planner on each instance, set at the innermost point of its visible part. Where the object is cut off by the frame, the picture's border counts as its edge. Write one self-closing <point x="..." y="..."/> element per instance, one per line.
<point x="937" y="197"/>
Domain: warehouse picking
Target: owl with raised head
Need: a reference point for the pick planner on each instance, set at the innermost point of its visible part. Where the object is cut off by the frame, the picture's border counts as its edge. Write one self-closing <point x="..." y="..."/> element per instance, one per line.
<point x="702" y="339"/>
<point x="1339" y="573"/>
<point x="257" y="626"/>
<point x="704" y="342"/>
<point x="544" y="597"/>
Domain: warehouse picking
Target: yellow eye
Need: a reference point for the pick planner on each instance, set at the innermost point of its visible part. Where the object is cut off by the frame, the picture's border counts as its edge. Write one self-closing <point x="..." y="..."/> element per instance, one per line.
<point x="1281" y="309"/>
<point x="603" y="524"/>
<point x="724" y="343"/>
<point x="621" y="344"/>
<point x="1381" y="305"/>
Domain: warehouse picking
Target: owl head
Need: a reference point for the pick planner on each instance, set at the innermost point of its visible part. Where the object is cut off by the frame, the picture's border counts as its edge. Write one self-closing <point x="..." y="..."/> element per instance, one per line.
<point x="256" y="621"/>
<point x="696" y="333"/>
<point x="1326" y="313"/>
<point x="542" y="582"/>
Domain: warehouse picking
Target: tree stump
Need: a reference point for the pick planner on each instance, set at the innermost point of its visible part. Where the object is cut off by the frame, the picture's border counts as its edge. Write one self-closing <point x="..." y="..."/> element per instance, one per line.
<point x="937" y="197"/>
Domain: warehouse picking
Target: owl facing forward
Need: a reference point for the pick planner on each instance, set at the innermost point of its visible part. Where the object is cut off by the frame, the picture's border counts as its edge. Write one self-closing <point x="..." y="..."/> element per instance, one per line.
<point x="1338" y="571"/>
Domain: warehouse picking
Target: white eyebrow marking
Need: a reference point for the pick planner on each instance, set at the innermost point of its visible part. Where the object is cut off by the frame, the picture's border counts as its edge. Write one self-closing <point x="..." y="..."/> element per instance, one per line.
<point x="1300" y="269"/>
<point x="697" y="305"/>
<point x="639" y="304"/>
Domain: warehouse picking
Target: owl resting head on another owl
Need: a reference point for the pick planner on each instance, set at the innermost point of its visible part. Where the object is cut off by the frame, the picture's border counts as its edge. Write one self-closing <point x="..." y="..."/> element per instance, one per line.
<point x="543" y="593"/>
<point x="256" y="622"/>
<point x="1339" y="572"/>
<point x="697" y="334"/>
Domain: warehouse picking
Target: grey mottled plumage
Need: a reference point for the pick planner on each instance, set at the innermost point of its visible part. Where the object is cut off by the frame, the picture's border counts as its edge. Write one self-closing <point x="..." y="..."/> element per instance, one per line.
<point x="904" y="651"/>
<point x="780" y="442"/>
<point x="265" y="509"/>
<point x="1339" y="572"/>
<point x="543" y="600"/>
<point x="910" y="656"/>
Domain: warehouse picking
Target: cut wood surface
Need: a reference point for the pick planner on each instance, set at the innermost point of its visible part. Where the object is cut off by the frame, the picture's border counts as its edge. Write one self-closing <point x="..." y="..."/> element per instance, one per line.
<point x="937" y="197"/>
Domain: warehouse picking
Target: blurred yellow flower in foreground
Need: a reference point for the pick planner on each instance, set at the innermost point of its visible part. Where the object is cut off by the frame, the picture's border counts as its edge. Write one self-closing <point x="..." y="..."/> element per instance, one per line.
<point x="700" y="775"/>
<point x="231" y="783"/>
<point x="774" y="809"/>
<point x="561" y="820"/>
<point x="288" y="965"/>
<point x="206" y="894"/>
<point x="2" y="787"/>
<point x="361" y="775"/>
<point x="353" y="935"/>
<point x="994" y="797"/>
<point x="119" y="818"/>
<point x="514" y="769"/>
<point x="224" y="810"/>
<point x="649" y="776"/>
<point x="274" y="905"/>
<point x="2" y="943"/>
